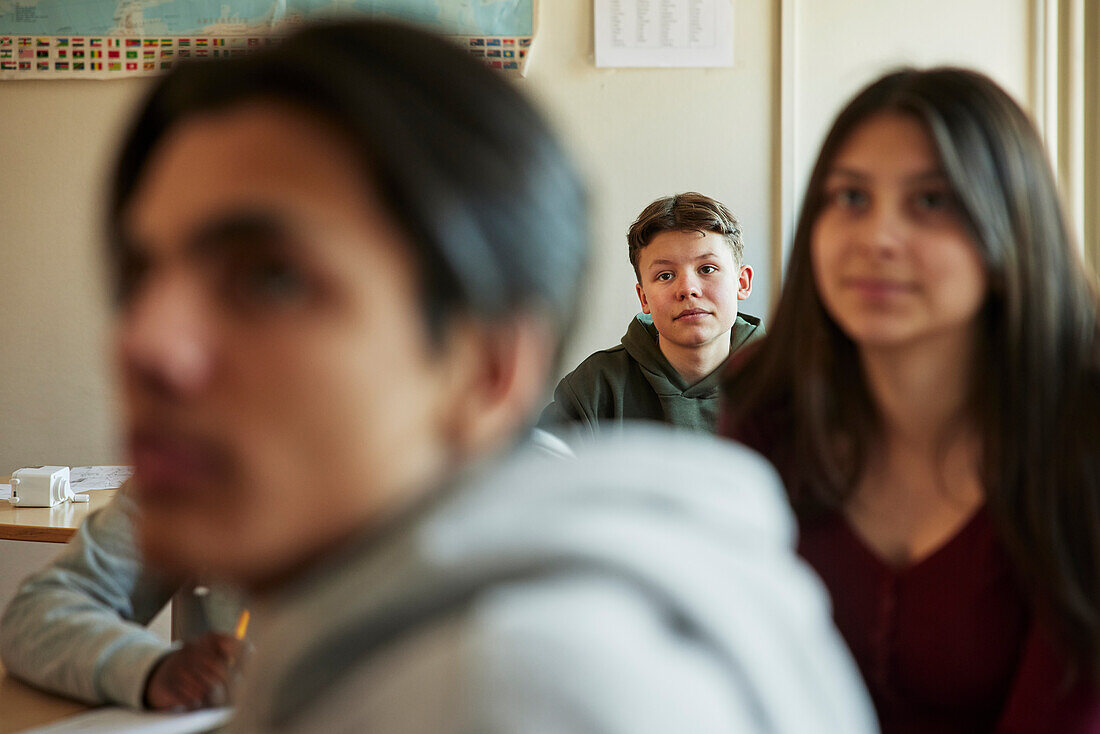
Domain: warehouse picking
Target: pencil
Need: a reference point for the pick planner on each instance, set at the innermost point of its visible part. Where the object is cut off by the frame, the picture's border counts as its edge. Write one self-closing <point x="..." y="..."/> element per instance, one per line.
<point x="242" y="625"/>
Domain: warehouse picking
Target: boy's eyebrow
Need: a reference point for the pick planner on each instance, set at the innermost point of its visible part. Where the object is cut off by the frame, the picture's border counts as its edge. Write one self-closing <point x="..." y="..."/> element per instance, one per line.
<point x="243" y="228"/>
<point x="704" y="256"/>
<point x="223" y="234"/>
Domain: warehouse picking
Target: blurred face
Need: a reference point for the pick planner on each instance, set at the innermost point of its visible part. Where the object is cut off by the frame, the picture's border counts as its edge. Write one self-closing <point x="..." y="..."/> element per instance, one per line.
<point x="690" y="284"/>
<point x="892" y="259"/>
<point x="279" y="385"/>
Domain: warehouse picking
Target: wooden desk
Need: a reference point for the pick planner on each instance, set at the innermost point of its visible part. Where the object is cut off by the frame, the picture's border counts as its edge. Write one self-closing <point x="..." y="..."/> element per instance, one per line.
<point x="23" y="707"/>
<point x="49" y="524"/>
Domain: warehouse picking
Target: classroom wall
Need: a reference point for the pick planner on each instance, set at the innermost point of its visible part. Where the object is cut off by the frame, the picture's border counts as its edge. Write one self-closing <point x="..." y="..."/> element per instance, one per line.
<point x="56" y="403"/>
<point x="638" y="133"/>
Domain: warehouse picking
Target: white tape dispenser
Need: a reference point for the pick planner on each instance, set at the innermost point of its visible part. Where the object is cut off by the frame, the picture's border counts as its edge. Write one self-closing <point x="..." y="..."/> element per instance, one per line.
<point x="43" y="486"/>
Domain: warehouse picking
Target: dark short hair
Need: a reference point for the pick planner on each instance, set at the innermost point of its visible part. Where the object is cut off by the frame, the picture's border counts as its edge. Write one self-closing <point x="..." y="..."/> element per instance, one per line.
<point x="496" y="212"/>
<point x="687" y="212"/>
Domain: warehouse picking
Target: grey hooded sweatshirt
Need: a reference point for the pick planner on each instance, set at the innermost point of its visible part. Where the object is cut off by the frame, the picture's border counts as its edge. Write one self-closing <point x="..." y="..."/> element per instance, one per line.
<point x="649" y="584"/>
<point x="634" y="381"/>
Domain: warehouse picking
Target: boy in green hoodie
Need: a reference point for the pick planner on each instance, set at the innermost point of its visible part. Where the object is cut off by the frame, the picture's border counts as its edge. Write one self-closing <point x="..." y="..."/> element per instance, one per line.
<point x="687" y="255"/>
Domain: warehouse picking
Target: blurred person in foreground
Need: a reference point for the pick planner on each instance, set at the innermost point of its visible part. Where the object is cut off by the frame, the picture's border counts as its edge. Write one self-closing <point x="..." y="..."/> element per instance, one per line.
<point x="929" y="390"/>
<point x="344" y="267"/>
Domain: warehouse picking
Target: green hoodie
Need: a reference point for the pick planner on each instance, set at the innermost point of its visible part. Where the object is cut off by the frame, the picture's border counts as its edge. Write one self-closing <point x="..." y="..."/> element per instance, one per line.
<point x="634" y="381"/>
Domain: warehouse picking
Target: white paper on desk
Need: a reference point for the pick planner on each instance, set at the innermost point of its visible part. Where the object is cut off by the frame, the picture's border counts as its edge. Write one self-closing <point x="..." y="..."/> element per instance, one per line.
<point x="84" y="478"/>
<point x="656" y="33"/>
<point x="115" y="720"/>
<point x="5" y="492"/>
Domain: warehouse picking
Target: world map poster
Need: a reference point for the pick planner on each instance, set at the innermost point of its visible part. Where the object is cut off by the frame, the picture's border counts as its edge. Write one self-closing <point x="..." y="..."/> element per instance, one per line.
<point x="104" y="39"/>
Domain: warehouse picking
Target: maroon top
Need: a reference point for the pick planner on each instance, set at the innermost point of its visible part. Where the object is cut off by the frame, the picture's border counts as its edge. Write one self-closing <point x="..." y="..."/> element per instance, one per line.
<point x="947" y="645"/>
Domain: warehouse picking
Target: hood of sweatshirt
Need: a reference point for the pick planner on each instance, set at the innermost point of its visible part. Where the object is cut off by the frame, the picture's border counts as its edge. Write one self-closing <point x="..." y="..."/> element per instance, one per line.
<point x="640" y="342"/>
<point x="676" y="548"/>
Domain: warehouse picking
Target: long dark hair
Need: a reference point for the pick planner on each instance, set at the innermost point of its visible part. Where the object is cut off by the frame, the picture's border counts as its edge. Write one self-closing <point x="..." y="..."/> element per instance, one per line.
<point x="801" y="398"/>
<point x="493" y="206"/>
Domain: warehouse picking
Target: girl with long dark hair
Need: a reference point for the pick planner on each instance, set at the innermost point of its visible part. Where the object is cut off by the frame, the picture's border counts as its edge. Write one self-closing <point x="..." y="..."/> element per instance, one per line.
<point x="929" y="392"/>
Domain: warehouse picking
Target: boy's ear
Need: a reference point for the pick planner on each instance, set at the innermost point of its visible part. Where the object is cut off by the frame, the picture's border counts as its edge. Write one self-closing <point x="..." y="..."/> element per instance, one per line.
<point x="641" y="297"/>
<point x="744" y="283"/>
<point x="500" y="383"/>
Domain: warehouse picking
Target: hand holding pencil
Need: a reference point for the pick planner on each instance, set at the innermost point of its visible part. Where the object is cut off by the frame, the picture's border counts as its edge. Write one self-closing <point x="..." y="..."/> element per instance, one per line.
<point x="198" y="675"/>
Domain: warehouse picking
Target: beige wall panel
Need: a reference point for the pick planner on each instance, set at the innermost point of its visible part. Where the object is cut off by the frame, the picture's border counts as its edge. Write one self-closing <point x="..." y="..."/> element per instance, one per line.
<point x="56" y="404"/>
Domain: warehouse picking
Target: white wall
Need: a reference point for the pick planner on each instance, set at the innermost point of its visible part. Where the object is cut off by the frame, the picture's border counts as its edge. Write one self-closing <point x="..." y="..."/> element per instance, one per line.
<point x="639" y="133"/>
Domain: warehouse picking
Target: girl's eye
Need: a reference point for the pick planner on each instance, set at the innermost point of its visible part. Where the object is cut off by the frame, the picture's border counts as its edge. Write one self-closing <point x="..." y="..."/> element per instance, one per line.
<point x="933" y="201"/>
<point x="847" y="197"/>
<point x="664" y="276"/>
<point x="708" y="269"/>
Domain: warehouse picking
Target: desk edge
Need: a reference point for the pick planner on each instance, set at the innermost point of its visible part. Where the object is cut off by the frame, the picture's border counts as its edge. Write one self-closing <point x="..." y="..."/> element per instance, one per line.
<point x="36" y="534"/>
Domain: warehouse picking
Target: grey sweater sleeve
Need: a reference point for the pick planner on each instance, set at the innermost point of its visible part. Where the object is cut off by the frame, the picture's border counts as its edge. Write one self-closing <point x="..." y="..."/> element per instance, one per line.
<point x="77" y="626"/>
